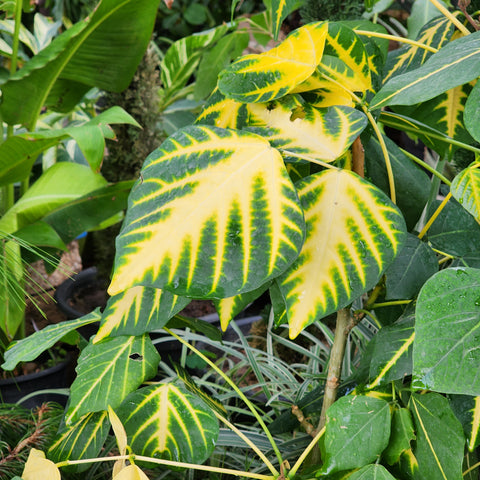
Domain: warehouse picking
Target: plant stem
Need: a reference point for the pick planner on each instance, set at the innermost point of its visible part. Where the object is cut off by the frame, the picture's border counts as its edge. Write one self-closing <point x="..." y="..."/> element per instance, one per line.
<point x="308" y="158"/>
<point x="427" y="167"/>
<point x="434" y="216"/>
<point x="396" y="38"/>
<point x="305" y="453"/>
<point x="450" y="16"/>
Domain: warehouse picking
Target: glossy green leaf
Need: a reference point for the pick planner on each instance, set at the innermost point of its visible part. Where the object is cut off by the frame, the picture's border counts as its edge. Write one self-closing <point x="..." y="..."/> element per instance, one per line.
<point x="413" y="266"/>
<point x="138" y="310"/>
<point x="32" y="346"/>
<point x="472" y="112"/>
<point x="392" y="352"/>
<point x="83" y="439"/>
<point x="372" y="472"/>
<point x="455" y="64"/>
<point x="79" y="55"/>
<point x="454" y="231"/>
<point x="323" y="135"/>
<point x="401" y="436"/>
<point x="218" y="209"/>
<point x="345" y="59"/>
<point x="465" y="189"/>
<point x="412" y="184"/>
<point x="272" y="74"/>
<point x="355" y="424"/>
<point x="167" y="421"/>
<point x="40" y="234"/>
<point x="447" y="328"/>
<point x="467" y="409"/>
<point x="353" y="233"/>
<point x="108" y="371"/>
<point x="440" y="442"/>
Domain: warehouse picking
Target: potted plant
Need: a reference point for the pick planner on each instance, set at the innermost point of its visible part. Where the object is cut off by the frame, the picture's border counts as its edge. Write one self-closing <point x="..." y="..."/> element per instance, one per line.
<point x="270" y="190"/>
<point x="42" y="108"/>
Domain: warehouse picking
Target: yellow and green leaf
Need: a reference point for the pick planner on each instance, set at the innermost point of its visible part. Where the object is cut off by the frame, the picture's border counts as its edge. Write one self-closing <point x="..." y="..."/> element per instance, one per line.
<point x="280" y="10"/>
<point x="138" y="310"/>
<point x="353" y="233"/>
<point x="345" y="59"/>
<point x="272" y="74"/>
<point x="322" y="134"/>
<point x="167" y="421"/>
<point x="466" y="189"/>
<point x="218" y="210"/>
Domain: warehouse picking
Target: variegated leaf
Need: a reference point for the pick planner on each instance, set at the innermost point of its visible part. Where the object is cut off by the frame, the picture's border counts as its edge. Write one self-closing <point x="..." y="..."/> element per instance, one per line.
<point x="280" y="10"/>
<point x="219" y="212"/>
<point x="272" y="74"/>
<point x="321" y="93"/>
<point x="166" y="421"/>
<point x="466" y="189"/>
<point x="435" y="34"/>
<point x="353" y="234"/>
<point x="138" y="310"/>
<point x="83" y="439"/>
<point x="108" y="371"/>
<point x="345" y="59"/>
<point x="467" y="410"/>
<point x="323" y="134"/>
<point x="223" y="112"/>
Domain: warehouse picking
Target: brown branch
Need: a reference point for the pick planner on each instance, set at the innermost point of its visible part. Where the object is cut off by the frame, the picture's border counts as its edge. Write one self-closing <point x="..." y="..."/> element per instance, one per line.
<point x="358" y="158"/>
<point x="462" y="5"/>
<point x="307" y="426"/>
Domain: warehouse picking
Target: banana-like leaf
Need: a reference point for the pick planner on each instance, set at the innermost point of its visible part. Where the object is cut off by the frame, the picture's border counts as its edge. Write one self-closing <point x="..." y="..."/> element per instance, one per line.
<point x="467" y="410"/>
<point x="345" y="59"/>
<point x="272" y="74"/>
<point x="401" y="436"/>
<point x="32" y="346"/>
<point x="218" y="209"/>
<point x="223" y="112"/>
<point x="83" y="439"/>
<point x="465" y="189"/>
<point x="138" y="310"/>
<point x="446" y="333"/>
<point x="455" y="64"/>
<point x="108" y="371"/>
<point x="169" y="422"/>
<point x="436" y="33"/>
<point x="353" y="233"/>
<point x="440" y="442"/>
<point x="79" y="55"/>
<point x="321" y="134"/>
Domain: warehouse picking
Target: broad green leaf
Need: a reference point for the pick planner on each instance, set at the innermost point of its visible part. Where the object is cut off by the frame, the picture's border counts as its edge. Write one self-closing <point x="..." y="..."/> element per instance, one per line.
<point x="218" y="209"/>
<point x="392" y="352"/>
<point x="353" y="234"/>
<point x="401" y="436"/>
<point x="280" y="10"/>
<point x="413" y="266"/>
<point x="369" y="472"/>
<point x="83" y="439"/>
<point x="38" y="467"/>
<point x="412" y="184"/>
<point x="355" y="424"/>
<point x="323" y="134"/>
<point x="445" y="352"/>
<point x="467" y="409"/>
<point x="166" y="421"/>
<point x="32" y="346"/>
<point x="272" y="74"/>
<point x="108" y="371"/>
<point x="454" y="64"/>
<point x="472" y="112"/>
<point x="440" y="442"/>
<point x="465" y="189"/>
<point x="454" y="231"/>
<point x="223" y="112"/>
<point x="345" y="59"/>
<point x="89" y="211"/>
<point x="138" y="310"/>
<point x="79" y="55"/>
<point x="40" y="234"/>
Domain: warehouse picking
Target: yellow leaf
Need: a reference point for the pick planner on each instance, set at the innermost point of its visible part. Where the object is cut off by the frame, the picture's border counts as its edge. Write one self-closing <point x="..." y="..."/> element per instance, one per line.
<point x="120" y="436"/>
<point x="132" y="472"/>
<point x="40" y="468"/>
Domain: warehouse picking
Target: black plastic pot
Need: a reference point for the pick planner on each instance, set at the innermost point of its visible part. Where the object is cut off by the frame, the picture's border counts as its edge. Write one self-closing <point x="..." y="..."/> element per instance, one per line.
<point x="59" y="376"/>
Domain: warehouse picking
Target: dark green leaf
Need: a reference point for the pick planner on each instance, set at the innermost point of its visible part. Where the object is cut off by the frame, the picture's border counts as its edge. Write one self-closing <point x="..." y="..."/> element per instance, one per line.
<point x="401" y="437"/>
<point x="472" y="112"/>
<point x="372" y="472"/>
<point x="467" y="410"/>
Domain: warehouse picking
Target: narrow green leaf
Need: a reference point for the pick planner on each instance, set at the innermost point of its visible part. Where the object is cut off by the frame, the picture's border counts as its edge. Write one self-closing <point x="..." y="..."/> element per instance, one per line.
<point x="32" y="346"/>
<point x="340" y="259"/>
<point x="167" y="421"/>
<point x="455" y="64"/>
<point x="107" y="372"/>
<point x="465" y="189"/>
<point x="440" y="441"/>
<point x="401" y="437"/>
<point x="218" y="208"/>
<point x="355" y="424"/>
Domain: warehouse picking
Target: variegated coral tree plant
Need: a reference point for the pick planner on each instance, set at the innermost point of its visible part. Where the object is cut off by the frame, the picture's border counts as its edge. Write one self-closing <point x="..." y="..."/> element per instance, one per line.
<point x="269" y="189"/>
